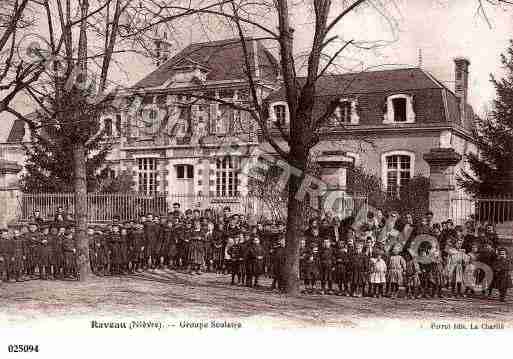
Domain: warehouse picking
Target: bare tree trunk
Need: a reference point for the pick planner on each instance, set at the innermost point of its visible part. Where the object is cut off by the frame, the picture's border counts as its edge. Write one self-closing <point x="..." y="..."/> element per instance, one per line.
<point x="80" y="189"/>
<point x="294" y="220"/>
<point x="291" y="268"/>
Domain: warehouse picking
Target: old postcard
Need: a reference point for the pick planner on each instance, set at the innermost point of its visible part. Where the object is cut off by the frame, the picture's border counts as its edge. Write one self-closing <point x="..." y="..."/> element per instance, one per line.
<point x="195" y="177"/>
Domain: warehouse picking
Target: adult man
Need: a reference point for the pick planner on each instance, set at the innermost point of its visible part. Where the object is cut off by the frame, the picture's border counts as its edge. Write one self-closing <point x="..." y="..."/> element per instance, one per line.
<point x="176" y="208"/>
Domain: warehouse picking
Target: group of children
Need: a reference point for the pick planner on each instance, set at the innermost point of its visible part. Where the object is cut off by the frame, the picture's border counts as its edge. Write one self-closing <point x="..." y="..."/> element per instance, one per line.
<point x="378" y="257"/>
<point x="375" y="258"/>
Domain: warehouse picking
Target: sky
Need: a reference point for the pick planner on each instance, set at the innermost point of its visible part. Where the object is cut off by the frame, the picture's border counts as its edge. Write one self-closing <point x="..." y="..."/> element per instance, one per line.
<point x="440" y="29"/>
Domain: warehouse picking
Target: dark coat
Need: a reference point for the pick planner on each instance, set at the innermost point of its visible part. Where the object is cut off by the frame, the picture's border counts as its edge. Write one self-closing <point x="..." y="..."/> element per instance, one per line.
<point x="255" y="259"/>
<point x="359" y="268"/>
<point x="502" y="268"/>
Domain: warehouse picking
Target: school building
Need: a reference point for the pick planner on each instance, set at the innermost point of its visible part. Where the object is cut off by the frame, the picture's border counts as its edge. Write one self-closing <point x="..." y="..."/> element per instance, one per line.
<point x="396" y="123"/>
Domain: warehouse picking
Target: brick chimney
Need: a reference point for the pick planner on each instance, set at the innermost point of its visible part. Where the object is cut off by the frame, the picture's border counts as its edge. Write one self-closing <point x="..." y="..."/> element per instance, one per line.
<point x="461" y="65"/>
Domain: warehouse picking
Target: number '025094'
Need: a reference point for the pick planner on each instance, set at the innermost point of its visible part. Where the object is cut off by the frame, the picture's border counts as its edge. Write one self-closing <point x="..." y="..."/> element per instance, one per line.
<point x="23" y="348"/>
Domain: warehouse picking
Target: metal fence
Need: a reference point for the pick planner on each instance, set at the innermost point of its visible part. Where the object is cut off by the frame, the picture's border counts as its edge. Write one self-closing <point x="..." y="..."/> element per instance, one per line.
<point x="101" y="207"/>
<point x="495" y="211"/>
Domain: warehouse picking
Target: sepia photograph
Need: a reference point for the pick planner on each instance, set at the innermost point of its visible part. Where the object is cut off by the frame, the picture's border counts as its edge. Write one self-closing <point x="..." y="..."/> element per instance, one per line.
<point x="231" y="173"/>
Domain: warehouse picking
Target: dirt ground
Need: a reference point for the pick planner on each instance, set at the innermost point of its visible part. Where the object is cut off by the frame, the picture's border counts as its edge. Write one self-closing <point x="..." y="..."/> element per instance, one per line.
<point x="178" y="296"/>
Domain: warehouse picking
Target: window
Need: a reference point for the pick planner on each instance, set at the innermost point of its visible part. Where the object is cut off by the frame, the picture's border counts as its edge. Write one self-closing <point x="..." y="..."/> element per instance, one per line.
<point x="397" y="170"/>
<point x="399" y="109"/>
<point x="280" y="114"/>
<point x="227" y="180"/>
<point x="148" y="175"/>
<point x="108" y="127"/>
<point x="184" y="171"/>
<point x="226" y="94"/>
<point x="342" y="113"/>
<point x="399" y="105"/>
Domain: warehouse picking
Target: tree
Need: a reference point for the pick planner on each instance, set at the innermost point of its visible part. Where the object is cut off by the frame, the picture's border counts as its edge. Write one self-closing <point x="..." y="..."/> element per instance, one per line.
<point x="15" y="73"/>
<point x="491" y="170"/>
<point x="122" y="183"/>
<point x="70" y="91"/>
<point x="49" y="165"/>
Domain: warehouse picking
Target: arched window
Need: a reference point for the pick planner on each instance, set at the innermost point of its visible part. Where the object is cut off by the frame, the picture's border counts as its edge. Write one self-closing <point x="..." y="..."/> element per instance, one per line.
<point x="397" y="169"/>
<point x="227" y="179"/>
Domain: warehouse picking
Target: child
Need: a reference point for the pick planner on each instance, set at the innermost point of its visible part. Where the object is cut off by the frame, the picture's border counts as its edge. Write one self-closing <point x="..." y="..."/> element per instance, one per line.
<point x="456" y="267"/>
<point x="326" y="266"/>
<point x="123" y="250"/>
<point x="341" y="264"/>
<point x="115" y="245"/>
<point x="278" y="261"/>
<point x="425" y="271"/>
<point x="378" y="274"/>
<point x="471" y="269"/>
<point x="360" y="269"/>
<point x="311" y="269"/>
<point x="436" y="274"/>
<point x="396" y="268"/>
<point x="502" y="273"/>
<point x="254" y="262"/>
<point x="69" y="249"/>
<point x="234" y="252"/>
<point x="196" y="254"/>
<point x="412" y="281"/>
<point x="303" y="252"/>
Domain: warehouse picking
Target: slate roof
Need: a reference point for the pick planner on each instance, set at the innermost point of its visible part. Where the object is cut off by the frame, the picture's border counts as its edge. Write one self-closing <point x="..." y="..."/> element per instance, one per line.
<point x="433" y="102"/>
<point x="17" y="132"/>
<point x="224" y="60"/>
<point x="396" y="80"/>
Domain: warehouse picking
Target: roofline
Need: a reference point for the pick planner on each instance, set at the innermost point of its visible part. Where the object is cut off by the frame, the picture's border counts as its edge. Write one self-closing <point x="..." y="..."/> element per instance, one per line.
<point x="177" y="56"/>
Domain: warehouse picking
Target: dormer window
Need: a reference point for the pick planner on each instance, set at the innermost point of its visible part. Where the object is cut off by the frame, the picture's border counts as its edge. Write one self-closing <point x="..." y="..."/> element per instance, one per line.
<point x="279" y="113"/>
<point x="399" y="109"/>
<point x="345" y="113"/>
<point x="399" y="105"/>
